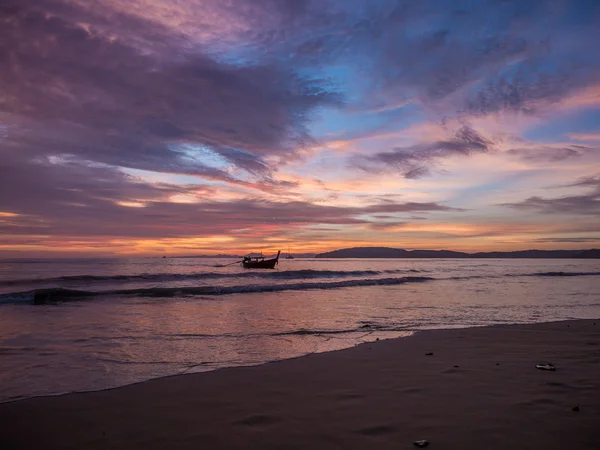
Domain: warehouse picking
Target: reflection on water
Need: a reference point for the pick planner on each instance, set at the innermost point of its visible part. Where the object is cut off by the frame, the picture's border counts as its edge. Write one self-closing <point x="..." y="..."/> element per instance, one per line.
<point x="112" y="341"/>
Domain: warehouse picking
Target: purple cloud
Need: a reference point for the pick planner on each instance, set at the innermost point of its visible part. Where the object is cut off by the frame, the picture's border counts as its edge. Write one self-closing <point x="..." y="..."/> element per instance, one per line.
<point x="550" y="154"/>
<point x="585" y="204"/>
<point x="414" y="161"/>
<point x="569" y="240"/>
<point x="72" y="199"/>
<point x="458" y="58"/>
<point x="227" y="92"/>
<point x="83" y="94"/>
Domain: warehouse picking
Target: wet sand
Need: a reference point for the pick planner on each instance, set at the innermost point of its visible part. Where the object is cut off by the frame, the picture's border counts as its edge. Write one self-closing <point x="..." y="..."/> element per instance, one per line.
<point x="382" y="395"/>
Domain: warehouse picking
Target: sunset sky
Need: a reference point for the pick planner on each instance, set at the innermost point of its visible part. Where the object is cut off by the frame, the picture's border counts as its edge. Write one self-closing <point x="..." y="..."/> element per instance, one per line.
<point x="208" y="126"/>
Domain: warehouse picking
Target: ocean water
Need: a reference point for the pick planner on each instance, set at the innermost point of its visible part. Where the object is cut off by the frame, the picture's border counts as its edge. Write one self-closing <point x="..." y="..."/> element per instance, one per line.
<point x="135" y="319"/>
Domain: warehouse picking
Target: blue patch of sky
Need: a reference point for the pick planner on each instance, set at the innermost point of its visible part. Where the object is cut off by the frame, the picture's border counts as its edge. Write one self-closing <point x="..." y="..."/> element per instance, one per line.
<point x="160" y="177"/>
<point x="339" y="124"/>
<point x="355" y="116"/>
<point x="557" y="128"/>
<point x="582" y="12"/>
<point x="334" y="122"/>
<point x="196" y="153"/>
<point x="475" y="195"/>
<point x="340" y="78"/>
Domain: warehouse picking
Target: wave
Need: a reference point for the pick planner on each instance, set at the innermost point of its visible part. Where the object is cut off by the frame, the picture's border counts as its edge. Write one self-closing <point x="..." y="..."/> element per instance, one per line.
<point x="563" y="274"/>
<point x="161" y="277"/>
<point x="364" y="327"/>
<point x="54" y="295"/>
<point x="535" y="274"/>
<point x="17" y="297"/>
<point x="274" y="275"/>
<point x="61" y="294"/>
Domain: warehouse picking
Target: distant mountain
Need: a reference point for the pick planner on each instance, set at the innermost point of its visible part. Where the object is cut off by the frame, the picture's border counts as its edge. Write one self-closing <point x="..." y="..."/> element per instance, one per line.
<point x="534" y="254"/>
<point x="592" y="253"/>
<point x="387" y="252"/>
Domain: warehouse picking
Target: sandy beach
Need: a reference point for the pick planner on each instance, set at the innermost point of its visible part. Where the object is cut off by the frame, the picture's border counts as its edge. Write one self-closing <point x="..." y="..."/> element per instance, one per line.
<point x="478" y="390"/>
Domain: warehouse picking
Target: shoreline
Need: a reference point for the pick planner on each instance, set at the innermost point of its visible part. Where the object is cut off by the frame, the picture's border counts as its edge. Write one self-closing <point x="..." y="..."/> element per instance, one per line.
<point x="185" y="373"/>
<point x="385" y="394"/>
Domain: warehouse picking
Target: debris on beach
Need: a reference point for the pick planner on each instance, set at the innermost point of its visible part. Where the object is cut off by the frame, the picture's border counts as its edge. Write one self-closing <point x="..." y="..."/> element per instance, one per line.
<point x="545" y="366"/>
<point x="421" y="443"/>
<point x="576" y="408"/>
<point x="429" y="354"/>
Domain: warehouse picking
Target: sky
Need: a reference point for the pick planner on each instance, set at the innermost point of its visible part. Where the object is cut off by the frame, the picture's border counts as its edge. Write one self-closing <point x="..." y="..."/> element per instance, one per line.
<point x="159" y="127"/>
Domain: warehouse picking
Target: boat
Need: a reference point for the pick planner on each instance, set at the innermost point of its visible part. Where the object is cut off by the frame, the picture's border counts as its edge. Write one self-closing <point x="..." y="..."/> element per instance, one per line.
<point x="258" y="261"/>
<point x="289" y="255"/>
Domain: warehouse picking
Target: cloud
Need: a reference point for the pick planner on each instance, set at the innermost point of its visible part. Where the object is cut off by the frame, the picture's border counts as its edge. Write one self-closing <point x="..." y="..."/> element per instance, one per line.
<point x="584" y="136"/>
<point x="457" y="58"/>
<point x="67" y="197"/>
<point x="529" y="89"/>
<point x="584" y="204"/>
<point x="522" y="53"/>
<point x="593" y="181"/>
<point x="576" y="204"/>
<point x="101" y="99"/>
<point x="386" y="226"/>
<point x="548" y="153"/>
<point x="230" y="93"/>
<point x="569" y="240"/>
<point x="415" y="161"/>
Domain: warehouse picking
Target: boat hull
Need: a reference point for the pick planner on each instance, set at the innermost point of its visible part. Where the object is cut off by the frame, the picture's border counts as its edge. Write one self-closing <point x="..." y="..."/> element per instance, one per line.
<point x="266" y="264"/>
<point x="248" y="263"/>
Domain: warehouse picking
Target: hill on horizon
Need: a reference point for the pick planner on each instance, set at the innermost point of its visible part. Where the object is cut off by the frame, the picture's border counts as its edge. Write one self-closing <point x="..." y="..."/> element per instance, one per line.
<point x="388" y="252"/>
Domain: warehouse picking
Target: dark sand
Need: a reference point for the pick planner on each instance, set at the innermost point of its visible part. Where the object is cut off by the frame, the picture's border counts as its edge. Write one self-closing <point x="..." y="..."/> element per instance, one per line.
<point x="375" y="396"/>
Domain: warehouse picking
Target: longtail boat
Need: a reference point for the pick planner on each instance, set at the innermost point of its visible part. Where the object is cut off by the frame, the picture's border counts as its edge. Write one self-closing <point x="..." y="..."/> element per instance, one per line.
<point x="258" y="261"/>
<point x="289" y="255"/>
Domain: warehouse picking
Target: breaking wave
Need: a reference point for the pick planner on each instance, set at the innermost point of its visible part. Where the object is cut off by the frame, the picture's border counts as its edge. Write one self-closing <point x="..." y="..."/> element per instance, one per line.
<point x="365" y="327"/>
<point x="162" y="277"/>
<point x="563" y="274"/>
<point x="43" y="296"/>
<point x="62" y="294"/>
<point x="17" y="297"/>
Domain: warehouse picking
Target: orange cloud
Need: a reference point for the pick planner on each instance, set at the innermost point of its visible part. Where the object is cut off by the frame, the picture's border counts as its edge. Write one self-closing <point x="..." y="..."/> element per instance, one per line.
<point x="585" y="98"/>
<point x="584" y="136"/>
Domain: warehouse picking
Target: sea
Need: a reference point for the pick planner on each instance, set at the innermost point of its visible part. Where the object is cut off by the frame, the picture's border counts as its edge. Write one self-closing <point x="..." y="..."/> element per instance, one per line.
<point x="70" y="325"/>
